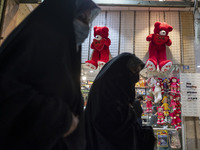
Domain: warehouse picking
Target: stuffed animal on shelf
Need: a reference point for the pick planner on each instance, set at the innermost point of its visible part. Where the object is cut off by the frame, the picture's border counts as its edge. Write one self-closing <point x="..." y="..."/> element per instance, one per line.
<point x="173" y="101"/>
<point x="100" y="45"/>
<point x="160" y="115"/>
<point x="149" y="104"/>
<point x="178" y="121"/>
<point x="157" y="47"/>
<point x="157" y="92"/>
<point x="178" y="104"/>
<point x="165" y="105"/>
<point x="161" y="85"/>
<point x="166" y="85"/>
<point x="151" y="83"/>
<point x="174" y="85"/>
<point x="173" y="118"/>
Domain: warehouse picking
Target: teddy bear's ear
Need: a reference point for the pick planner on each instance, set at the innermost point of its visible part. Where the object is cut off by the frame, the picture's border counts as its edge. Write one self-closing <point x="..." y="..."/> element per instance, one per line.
<point x="170" y="28"/>
<point x="105" y="29"/>
<point x="157" y="24"/>
<point x="95" y="28"/>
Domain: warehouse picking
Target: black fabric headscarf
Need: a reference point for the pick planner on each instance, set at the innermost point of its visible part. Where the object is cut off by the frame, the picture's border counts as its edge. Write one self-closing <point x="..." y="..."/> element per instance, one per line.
<point x="40" y="81"/>
<point x="110" y="118"/>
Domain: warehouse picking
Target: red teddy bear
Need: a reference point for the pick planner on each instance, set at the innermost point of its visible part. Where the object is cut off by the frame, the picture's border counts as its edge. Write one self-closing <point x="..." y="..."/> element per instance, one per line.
<point x="100" y="45"/>
<point x="157" y="48"/>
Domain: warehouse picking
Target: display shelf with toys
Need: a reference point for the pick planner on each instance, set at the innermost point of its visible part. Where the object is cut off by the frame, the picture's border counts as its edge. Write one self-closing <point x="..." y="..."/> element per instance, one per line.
<point x="162" y="105"/>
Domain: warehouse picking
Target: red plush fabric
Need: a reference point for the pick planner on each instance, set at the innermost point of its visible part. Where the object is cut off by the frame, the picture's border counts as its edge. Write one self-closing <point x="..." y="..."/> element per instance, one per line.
<point x="100" y="45"/>
<point x="157" y="47"/>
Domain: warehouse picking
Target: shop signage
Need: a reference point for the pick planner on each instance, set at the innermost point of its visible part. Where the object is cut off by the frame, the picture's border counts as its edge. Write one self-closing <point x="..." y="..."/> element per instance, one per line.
<point x="190" y="93"/>
<point x="185" y="67"/>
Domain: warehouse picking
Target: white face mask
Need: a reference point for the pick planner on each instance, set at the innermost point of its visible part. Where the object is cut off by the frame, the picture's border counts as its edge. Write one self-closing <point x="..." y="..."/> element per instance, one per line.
<point x="86" y="11"/>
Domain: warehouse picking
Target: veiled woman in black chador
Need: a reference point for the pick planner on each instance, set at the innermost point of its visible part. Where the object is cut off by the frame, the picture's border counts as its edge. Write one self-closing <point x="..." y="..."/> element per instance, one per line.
<point x="111" y="123"/>
<point x="40" y="98"/>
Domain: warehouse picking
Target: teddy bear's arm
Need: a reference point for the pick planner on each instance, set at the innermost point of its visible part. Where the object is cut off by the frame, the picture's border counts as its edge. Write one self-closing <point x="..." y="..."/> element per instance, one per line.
<point x="92" y="46"/>
<point x="107" y="42"/>
<point x="169" y="42"/>
<point x="149" y="37"/>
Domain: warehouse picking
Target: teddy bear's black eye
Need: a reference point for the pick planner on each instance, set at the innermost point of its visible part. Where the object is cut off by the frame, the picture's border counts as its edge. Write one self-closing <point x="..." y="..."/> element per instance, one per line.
<point x="162" y="32"/>
<point x="98" y="37"/>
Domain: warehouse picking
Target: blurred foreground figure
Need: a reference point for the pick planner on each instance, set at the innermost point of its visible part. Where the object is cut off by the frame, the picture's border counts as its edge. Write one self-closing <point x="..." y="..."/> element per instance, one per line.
<point x="40" y="100"/>
<point x="111" y="122"/>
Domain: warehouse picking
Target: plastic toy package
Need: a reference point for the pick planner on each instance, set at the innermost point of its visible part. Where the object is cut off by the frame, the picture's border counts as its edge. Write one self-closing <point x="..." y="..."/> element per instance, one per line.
<point x="174" y="140"/>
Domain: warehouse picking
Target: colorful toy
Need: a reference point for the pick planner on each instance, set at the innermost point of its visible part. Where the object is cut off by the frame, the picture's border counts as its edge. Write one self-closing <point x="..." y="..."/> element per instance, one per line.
<point x="149" y="104"/>
<point x="176" y="121"/>
<point x="178" y="104"/>
<point x="151" y="83"/>
<point x="165" y="105"/>
<point x="173" y="117"/>
<point x="173" y="101"/>
<point x="174" y="85"/>
<point x="100" y="45"/>
<point x="166" y="85"/>
<point x="157" y="92"/>
<point x="157" y="47"/>
<point x="161" y="85"/>
<point x="160" y="115"/>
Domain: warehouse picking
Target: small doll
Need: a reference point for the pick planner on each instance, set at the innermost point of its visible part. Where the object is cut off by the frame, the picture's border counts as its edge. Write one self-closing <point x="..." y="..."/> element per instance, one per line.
<point x="178" y="104"/>
<point x="157" y="92"/>
<point x="178" y="121"/>
<point x="149" y="104"/>
<point x="161" y="85"/>
<point x="160" y="115"/>
<point x="165" y="105"/>
<point x="166" y="85"/>
<point x="173" y="117"/>
<point x="173" y="101"/>
<point x="174" y="84"/>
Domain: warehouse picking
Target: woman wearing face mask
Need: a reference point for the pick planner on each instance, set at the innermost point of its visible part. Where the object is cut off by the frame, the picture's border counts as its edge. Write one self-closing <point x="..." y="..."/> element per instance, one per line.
<point x="111" y="123"/>
<point x="40" y="100"/>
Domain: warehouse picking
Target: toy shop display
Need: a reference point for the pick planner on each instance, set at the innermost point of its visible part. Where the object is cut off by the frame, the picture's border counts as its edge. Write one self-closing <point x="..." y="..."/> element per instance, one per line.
<point x="166" y="96"/>
<point x="157" y="47"/>
<point x="100" y="46"/>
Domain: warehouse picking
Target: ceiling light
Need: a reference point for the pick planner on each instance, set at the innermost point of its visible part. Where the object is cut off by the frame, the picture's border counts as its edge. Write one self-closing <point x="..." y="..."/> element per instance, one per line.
<point x="91" y="71"/>
<point x="84" y="78"/>
<point x="198" y="66"/>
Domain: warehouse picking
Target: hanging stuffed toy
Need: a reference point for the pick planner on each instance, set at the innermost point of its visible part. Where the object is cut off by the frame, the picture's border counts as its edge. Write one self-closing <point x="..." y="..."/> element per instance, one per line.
<point x="173" y="101"/>
<point x="166" y="85"/>
<point x="178" y="104"/>
<point x="100" y="45"/>
<point x="151" y="83"/>
<point x="161" y="85"/>
<point x="149" y="104"/>
<point x="157" y="47"/>
<point x="157" y="92"/>
<point x="165" y="105"/>
<point x="174" y="85"/>
<point x="160" y="115"/>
